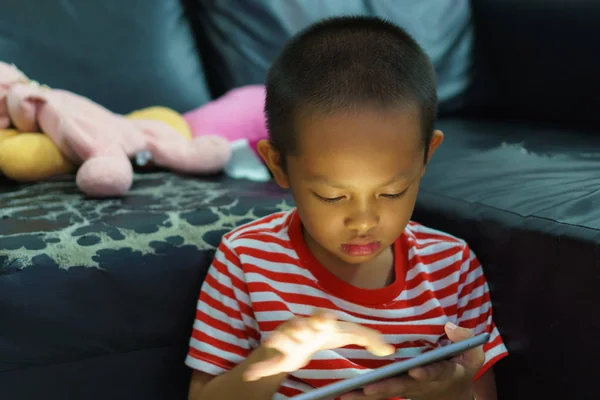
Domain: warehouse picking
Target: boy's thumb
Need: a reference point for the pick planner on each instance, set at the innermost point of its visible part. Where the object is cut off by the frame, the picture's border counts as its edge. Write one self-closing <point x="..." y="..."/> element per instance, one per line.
<point x="472" y="359"/>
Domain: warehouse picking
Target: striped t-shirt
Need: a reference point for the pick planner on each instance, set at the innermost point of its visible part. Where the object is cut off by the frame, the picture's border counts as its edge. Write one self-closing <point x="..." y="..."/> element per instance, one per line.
<point x="263" y="274"/>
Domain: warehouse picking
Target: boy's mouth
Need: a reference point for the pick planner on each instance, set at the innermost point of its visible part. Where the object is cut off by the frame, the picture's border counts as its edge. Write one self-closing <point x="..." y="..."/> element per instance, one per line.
<point x="363" y="249"/>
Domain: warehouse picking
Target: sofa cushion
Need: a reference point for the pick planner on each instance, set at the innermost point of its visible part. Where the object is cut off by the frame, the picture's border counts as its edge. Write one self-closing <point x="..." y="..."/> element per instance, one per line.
<point x="527" y="200"/>
<point x="124" y="57"/>
<point x="244" y="37"/>
<point x="155" y="373"/>
<point x="84" y="280"/>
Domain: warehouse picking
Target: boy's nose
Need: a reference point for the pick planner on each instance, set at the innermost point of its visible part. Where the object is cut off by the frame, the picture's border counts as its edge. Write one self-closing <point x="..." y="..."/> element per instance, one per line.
<point x="363" y="222"/>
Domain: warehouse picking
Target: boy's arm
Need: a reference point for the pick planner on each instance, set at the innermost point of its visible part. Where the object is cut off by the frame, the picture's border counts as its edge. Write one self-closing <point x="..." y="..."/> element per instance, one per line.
<point x="484" y="388"/>
<point x="475" y="312"/>
<point x="221" y="346"/>
<point x="230" y="385"/>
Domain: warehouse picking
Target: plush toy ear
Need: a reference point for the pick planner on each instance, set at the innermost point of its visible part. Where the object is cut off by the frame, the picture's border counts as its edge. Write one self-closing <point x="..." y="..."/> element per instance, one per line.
<point x="9" y="75"/>
<point x="23" y="103"/>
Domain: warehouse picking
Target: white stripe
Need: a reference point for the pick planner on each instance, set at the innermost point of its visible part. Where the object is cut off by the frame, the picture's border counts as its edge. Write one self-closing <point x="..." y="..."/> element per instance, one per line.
<point x="204" y="366"/>
<point x="295" y="288"/>
<point x="278" y="267"/>
<point x="343" y="373"/>
<point x="304" y="309"/>
<point x="221" y="316"/>
<point x="494" y="352"/>
<point x="235" y="271"/>
<point x="429" y="286"/>
<point x="248" y="228"/>
<point x="430" y="268"/>
<point x="227" y="302"/>
<point x="417" y="228"/>
<point x="476" y="292"/>
<point x="389" y="338"/>
<point x="218" y="297"/>
<point x="267" y="247"/>
<point x="361" y="354"/>
<point x="221" y="335"/>
<point x="207" y="348"/>
<point x="301" y="386"/>
<point x="476" y="312"/>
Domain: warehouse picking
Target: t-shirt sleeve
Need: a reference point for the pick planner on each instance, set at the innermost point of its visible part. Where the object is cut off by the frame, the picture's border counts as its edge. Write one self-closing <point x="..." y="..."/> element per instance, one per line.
<point x="475" y="308"/>
<point x="224" y="331"/>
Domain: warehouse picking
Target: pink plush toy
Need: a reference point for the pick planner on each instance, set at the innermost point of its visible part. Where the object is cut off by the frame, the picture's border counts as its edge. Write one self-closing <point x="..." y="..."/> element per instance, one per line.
<point x="238" y="114"/>
<point x="9" y="76"/>
<point x="101" y="141"/>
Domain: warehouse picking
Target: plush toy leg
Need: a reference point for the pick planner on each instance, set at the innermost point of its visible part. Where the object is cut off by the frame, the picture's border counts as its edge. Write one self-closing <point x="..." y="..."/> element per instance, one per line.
<point x="31" y="157"/>
<point x="105" y="176"/>
<point x="106" y="171"/>
<point x="202" y="155"/>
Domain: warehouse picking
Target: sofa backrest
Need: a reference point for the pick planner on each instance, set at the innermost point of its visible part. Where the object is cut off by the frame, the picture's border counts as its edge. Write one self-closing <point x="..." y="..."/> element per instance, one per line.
<point x="124" y="55"/>
<point x="145" y="52"/>
<point x="537" y="60"/>
<point x="241" y="38"/>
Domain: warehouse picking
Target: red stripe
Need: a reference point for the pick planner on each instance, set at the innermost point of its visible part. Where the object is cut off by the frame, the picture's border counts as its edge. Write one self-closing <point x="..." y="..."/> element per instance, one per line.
<point x="219" y="344"/>
<point x="211" y="359"/>
<point x="489" y="364"/>
<point x="319" y="302"/>
<point x="220" y="325"/>
<point x="475" y="303"/>
<point x="288" y="391"/>
<point x="435" y="276"/>
<point x="252" y="226"/>
<point x="264" y="238"/>
<point x="452" y="252"/>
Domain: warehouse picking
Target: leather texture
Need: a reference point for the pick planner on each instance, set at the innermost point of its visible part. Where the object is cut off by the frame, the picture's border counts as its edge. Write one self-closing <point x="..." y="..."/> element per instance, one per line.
<point x="526" y="199"/>
<point x="244" y="37"/>
<point x="536" y="60"/>
<point x="123" y="56"/>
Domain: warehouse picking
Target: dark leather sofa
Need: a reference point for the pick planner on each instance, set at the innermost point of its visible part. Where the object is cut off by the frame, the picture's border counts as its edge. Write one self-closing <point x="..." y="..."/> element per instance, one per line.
<point x="97" y="296"/>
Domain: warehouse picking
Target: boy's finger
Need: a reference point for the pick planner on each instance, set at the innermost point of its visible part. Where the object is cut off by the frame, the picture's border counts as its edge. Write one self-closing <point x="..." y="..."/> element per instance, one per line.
<point x="322" y="320"/>
<point x="435" y="372"/>
<point x="281" y="341"/>
<point x="471" y="359"/>
<point x="272" y="366"/>
<point x="369" y="338"/>
<point x="299" y="330"/>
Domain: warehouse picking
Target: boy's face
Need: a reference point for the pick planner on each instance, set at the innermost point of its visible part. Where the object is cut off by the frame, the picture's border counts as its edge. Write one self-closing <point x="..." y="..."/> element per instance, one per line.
<point x="354" y="179"/>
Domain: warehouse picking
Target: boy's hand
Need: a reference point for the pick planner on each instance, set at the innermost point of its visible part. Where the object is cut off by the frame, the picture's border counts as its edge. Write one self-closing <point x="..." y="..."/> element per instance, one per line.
<point x="294" y="342"/>
<point x="446" y="380"/>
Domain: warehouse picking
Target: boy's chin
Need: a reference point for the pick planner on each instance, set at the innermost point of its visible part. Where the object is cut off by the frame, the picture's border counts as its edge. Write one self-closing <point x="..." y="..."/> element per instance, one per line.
<point x="356" y="260"/>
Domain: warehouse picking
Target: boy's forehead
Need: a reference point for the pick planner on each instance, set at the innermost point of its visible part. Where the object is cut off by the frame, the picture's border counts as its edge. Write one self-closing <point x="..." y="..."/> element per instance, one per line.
<point x="359" y="130"/>
<point x="348" y="146"/>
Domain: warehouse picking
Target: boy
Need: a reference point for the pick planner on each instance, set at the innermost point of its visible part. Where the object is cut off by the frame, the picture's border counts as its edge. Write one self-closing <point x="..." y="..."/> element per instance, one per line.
<point x="345" y="282"/>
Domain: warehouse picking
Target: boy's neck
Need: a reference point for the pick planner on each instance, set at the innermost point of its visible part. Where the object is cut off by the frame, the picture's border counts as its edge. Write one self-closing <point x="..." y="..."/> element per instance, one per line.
<point x="375" y="274"/>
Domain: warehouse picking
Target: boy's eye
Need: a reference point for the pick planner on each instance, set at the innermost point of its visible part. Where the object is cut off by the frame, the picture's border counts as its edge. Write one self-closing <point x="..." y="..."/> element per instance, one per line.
<point x="393" y="196"/>
<point x="330" y="199"/>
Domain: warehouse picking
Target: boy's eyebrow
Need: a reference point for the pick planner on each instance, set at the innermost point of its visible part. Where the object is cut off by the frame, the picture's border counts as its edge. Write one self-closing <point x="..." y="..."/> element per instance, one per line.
<point x="324" y="181"/>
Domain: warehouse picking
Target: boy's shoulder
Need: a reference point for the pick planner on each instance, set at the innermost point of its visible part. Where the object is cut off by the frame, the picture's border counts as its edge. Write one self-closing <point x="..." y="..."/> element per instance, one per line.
<point x="274" y="224"/>
<point x="431" y="246"/>
<point x="423" y="234"/>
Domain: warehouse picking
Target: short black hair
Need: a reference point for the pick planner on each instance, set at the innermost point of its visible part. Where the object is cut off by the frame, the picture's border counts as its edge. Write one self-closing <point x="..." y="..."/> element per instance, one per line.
<point x="345" y="63"/>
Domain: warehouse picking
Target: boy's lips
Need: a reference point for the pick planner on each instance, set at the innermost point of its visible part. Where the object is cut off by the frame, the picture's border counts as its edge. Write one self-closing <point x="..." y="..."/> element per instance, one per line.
<point x="362" y="248"/>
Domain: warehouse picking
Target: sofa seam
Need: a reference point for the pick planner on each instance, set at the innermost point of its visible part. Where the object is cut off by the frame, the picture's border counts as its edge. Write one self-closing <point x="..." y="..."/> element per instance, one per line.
<point x="512" y="212"/>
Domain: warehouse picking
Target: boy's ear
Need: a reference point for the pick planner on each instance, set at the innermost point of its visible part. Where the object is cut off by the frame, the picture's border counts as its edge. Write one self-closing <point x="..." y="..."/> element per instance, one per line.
<point x="273" y="160"/>
<point x="436" y="140"/>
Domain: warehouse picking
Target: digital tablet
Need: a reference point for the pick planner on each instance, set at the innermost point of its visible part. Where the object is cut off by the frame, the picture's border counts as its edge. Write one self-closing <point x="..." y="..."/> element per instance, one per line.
<point x="398" y="368"/>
